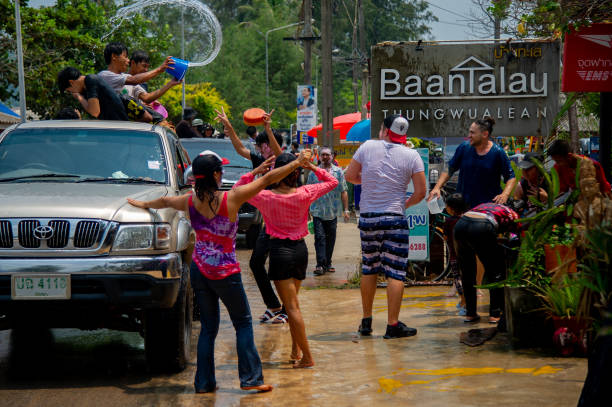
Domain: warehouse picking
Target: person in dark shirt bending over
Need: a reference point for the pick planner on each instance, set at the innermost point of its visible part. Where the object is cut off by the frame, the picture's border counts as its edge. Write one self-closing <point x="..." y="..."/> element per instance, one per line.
<point x="94" y="94"/>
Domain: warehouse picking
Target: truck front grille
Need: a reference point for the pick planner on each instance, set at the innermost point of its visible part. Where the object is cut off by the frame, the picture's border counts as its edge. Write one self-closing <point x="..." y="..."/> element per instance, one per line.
<point x="87" y="232"/>
<point x="6" y="234"/>
<point x="26" y="234"/>
<point x="48" y="233"/>
<point x="61" y="232"/>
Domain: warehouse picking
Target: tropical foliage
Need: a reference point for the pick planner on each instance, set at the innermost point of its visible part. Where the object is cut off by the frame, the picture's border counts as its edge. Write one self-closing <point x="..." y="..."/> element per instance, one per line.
<point x="69" y="34"/>
<point x="203" y="97"/>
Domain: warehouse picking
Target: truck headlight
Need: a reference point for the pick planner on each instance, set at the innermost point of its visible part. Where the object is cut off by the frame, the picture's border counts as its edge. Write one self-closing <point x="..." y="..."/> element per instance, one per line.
<point x="139" y="237"/>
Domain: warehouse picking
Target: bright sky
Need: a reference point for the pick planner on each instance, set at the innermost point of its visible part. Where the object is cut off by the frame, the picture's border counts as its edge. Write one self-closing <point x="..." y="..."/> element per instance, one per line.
<point x="451" y="14"/>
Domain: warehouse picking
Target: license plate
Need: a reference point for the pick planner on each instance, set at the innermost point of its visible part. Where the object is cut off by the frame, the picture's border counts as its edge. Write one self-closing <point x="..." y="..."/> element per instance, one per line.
<point x="40" y="287"/>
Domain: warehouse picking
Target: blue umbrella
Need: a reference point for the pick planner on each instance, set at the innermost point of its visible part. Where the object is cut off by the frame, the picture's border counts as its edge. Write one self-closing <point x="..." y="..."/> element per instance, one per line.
<point x="359" y="132"/>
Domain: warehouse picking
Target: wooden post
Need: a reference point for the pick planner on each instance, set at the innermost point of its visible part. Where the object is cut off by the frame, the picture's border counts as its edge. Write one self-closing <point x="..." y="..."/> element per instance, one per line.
<point x="307" y="44"/>
<point x="326" y="68"/>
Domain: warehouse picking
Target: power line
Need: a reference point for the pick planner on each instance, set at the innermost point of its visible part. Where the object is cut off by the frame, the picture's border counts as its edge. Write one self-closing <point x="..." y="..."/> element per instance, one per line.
<point x="448" y="11"/>
<point x="448" y="22"/>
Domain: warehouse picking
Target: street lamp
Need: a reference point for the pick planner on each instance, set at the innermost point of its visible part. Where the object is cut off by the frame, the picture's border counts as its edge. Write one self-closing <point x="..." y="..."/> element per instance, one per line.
<point x="267" y="83"/>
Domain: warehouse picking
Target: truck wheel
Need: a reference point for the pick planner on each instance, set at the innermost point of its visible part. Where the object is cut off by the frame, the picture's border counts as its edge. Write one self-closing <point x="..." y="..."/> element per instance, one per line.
<point x="252" y="234"/>
<point x="167" y="333"/>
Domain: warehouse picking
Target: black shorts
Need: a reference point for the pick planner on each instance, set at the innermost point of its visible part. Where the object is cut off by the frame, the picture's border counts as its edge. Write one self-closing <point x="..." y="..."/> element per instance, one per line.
<point x="288" y="259"/>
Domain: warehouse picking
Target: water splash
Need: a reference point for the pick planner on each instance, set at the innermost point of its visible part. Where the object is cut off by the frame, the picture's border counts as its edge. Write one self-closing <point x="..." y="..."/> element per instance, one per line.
<point x="202" y="41"/>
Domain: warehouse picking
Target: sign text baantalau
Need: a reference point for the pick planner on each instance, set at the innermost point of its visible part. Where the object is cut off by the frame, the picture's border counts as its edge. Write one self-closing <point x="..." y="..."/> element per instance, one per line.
<point x="442" y="89"/>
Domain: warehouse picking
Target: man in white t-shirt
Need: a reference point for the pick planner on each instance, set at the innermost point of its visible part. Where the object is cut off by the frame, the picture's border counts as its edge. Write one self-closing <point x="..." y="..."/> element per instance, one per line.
<point x="384" y="168"/>
<point x="116" y="56"/>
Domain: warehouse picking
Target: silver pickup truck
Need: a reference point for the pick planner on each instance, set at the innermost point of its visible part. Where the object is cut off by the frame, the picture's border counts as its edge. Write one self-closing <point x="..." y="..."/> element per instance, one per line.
<point x="75" y="254"/>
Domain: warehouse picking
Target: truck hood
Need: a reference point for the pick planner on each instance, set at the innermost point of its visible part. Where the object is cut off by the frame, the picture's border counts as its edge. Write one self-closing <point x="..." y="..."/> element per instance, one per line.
<point x="68" y="200"/>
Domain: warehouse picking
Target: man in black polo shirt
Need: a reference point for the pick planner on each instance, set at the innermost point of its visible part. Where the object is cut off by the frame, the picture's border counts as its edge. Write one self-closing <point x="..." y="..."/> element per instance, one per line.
<point x="94" y="94"/>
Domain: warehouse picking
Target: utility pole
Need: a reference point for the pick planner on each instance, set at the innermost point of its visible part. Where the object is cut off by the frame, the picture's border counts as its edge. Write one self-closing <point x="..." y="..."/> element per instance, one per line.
<point x="307" y="44"/>
<point x="364" y="68"/>
<point x="326" y="68"/>
<point x="20" y="72"/>
<point x="355" y="59"/>
<point x="183" y="56"/>
<point x="572" y="116"/>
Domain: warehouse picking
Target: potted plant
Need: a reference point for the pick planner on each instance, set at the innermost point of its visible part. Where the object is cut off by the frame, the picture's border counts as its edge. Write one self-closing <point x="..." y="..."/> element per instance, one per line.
<point x="560" y="251"/>
<point x="561" y="300"/>
<point x="525" y="316"/>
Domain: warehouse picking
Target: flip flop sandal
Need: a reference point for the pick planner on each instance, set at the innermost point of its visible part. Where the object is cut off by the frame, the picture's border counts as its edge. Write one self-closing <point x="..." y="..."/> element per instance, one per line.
<point x="279" y="318"/>
<point x="331" y="269"/>
<point x="318" y="271"/>
<point x="262" y="388"/>
<point x="266" y="316"/>
<point x="471" y="320"/>
<point x="300" y="365"/>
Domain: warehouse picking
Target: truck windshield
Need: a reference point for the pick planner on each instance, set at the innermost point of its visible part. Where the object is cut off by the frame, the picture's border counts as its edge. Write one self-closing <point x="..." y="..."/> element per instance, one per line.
<point x="82" y="154"/>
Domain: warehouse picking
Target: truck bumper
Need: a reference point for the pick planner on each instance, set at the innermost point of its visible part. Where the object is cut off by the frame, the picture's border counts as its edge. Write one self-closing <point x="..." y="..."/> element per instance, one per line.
<point x="121" y="283"/>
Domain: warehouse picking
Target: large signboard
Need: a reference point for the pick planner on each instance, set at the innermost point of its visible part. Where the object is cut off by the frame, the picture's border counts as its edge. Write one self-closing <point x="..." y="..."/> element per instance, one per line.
<point x="418" y="220"/>
<point x="587" y="60"/>
<point x="442" y="89"/>
<point x="306" y="107"/>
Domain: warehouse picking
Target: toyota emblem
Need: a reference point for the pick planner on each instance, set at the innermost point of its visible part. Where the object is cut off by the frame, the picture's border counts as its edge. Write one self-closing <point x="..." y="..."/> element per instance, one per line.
<point x="43" y="232"/>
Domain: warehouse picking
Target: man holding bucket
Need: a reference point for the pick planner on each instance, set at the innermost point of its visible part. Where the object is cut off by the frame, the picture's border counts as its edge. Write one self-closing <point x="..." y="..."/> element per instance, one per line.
<point x="128" y="86"/>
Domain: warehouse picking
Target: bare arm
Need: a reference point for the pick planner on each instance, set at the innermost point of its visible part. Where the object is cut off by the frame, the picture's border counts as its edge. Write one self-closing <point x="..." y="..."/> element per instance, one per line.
<point x="229" y="130"/>
<point x="503" y="197"/>
<point x="344" y="198"/>
<point x="91" y="106"/>
<point x="276" y="149"/>
<point x="147" y="76"/>
<point x="419" y="183"/>
<point x="239" y="195"/>
<point x="353" y="172"/>
<point x="150" y="97"/>
<point x="176" y="202"/>
<point x="518" y="192"/>
<point x="435" y="192"/>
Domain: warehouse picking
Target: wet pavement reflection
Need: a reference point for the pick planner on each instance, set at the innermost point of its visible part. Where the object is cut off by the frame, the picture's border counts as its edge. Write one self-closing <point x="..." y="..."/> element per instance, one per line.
<point x="66" y="367"/>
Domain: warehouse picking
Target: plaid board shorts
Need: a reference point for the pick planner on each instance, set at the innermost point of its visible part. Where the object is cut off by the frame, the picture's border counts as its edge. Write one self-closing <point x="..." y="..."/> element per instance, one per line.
<point x="384" y="244"/>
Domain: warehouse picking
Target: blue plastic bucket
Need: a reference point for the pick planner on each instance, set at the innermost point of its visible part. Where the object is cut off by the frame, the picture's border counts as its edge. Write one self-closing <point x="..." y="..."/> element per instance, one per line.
<point x="180" y="68"/>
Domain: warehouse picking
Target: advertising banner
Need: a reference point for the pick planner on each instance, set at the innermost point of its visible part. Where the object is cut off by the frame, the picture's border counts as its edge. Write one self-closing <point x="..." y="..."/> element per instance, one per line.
<point x="442" y="89"/>
<point x="418" y="220"/>
<point x="587" y="60"/>
<point x="345" y="152"/>
<point x="306" y="107"/>
<point x="304" y="138"/>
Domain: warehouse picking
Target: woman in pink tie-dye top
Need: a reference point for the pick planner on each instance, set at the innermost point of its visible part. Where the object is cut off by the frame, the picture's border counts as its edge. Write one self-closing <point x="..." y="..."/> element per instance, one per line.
<point x="215" y="273"/>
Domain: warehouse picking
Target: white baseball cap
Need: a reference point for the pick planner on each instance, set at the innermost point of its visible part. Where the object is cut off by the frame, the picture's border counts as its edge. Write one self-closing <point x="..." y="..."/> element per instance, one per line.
<point x="398" y="130"/>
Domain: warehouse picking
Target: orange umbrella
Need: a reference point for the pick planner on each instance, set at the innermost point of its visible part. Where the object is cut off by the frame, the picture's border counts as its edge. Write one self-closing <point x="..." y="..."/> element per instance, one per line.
<point x="342" y="123"/>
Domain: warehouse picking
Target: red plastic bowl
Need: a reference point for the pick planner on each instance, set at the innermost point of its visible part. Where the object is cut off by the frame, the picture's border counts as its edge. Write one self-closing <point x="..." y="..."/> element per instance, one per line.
<point x="254" y="116"/>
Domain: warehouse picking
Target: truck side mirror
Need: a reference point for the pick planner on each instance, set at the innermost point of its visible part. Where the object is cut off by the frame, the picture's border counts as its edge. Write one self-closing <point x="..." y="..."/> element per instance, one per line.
<point x="188" y="178"/>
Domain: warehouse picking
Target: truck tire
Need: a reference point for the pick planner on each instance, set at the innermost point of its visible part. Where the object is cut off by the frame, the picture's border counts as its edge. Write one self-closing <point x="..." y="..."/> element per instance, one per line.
<point x="252" y="234"/>
<point x="167" y="333"/>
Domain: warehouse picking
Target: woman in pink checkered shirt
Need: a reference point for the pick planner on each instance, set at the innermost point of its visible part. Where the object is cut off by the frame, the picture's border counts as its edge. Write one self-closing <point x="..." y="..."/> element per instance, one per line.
<point x="285" y="212"/>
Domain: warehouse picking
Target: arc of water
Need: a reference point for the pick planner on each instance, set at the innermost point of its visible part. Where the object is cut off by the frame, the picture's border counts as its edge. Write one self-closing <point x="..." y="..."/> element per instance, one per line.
<point x="214" y="32"/>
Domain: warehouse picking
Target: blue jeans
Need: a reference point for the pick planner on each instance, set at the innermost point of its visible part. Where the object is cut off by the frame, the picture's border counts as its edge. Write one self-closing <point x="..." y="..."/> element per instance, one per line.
<point x="325" y="240"/>
<point x="231" y="292"/>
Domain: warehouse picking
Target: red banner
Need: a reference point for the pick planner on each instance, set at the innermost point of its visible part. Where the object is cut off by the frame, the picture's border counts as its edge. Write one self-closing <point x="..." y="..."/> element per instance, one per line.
<point x="587" y="60"/>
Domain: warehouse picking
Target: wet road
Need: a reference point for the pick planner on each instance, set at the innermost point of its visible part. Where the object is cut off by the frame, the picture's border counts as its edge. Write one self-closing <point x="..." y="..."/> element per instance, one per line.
<point x="107" y="368"/>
